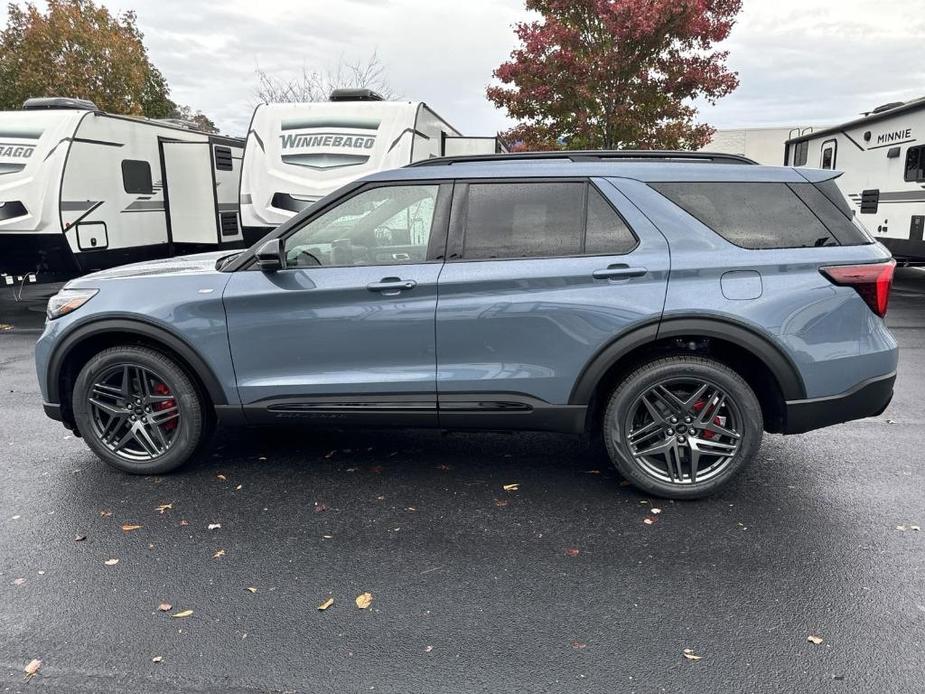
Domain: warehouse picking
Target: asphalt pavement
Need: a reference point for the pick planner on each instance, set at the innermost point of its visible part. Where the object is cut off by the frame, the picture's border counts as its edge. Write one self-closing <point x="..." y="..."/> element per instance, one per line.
<point x="557" y="586"/>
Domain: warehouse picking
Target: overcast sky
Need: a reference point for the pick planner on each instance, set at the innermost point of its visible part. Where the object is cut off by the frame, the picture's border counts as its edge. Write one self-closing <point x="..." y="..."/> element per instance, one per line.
<point x="799" y="61"/>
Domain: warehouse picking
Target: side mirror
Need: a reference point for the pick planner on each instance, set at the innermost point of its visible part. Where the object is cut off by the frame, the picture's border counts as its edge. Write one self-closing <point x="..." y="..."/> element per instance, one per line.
<point x="271" y="256"/>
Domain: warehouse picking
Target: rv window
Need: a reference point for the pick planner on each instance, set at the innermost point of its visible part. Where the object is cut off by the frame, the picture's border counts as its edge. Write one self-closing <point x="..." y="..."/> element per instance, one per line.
<point x="800" y="153"/>
<point x="382" y="226"/>
<point x="915" y="164"/>
<point x="524" y="220"/>
<point x="136" y="177"/>
<point x="750" y="215"/>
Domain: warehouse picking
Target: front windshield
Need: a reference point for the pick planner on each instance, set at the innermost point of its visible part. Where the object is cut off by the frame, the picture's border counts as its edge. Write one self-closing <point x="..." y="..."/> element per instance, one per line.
<point x="380" y="226"/>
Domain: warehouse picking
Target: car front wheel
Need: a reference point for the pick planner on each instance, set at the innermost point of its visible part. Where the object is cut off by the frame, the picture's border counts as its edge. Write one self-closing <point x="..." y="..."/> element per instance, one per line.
<point x="682" y="427"/>
<point x="138" y="410"/>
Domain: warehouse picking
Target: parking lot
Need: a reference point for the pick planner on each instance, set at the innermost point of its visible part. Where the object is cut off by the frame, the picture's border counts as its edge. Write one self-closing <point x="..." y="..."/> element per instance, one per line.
<point x="557" y="585"/>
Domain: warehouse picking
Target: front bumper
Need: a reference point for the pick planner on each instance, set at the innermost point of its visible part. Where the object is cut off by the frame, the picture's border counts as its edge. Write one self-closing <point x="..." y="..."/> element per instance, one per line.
<point x="868" y="399"/>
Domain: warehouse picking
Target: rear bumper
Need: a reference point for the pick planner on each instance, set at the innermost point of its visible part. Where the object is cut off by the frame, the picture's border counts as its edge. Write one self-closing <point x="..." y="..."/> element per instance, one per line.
<point x="868" y="399"/>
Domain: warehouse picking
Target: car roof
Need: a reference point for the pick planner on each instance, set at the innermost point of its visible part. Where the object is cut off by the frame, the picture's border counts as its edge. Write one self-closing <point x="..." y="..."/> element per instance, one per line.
<point x="648" y="172"/>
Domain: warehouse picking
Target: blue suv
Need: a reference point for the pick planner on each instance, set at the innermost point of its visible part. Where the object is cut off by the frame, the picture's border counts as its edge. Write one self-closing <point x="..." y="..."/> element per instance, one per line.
<point x="675" y="304"/>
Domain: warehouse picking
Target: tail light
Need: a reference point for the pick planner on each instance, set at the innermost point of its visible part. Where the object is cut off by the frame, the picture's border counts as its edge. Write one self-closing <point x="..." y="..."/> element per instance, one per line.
<point x="873" y="282"/>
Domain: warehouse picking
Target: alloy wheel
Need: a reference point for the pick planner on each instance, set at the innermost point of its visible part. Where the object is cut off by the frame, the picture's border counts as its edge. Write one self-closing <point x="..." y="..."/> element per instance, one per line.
<point x="683" y="430"/>
<point x="134" y="413"/>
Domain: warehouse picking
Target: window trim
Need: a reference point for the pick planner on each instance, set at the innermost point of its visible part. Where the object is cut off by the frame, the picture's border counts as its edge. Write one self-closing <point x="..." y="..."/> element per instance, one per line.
<point x="150" y="190"/>
<point x="436" y="243"/>
<point x="459" y="219"/>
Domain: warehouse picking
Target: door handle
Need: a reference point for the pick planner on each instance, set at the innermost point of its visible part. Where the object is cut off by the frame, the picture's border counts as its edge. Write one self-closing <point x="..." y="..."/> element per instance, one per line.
<point x="619" y="272"/>
<point x="391" y="285"/>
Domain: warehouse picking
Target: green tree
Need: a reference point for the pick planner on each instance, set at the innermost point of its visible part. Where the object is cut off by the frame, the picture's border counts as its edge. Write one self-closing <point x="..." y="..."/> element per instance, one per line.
<point x="77" y="48"/>
<point x="615" y="74"/>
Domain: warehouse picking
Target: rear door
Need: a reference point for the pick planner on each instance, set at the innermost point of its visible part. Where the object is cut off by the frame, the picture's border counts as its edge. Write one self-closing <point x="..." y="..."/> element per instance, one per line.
<point x="541" y="275"/>
<point x="190" y="186"/>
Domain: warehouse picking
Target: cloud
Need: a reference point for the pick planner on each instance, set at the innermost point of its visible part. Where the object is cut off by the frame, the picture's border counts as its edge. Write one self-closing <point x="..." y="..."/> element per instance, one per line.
<point x="799" y="61"/>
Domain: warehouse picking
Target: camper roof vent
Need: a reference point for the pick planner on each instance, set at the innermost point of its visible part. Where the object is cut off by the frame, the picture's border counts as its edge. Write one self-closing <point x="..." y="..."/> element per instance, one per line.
<point x="53" y="102"/>
<point x="177" y="123"/>
<point x="886" y="107"/>
<point x="355" y="95"/>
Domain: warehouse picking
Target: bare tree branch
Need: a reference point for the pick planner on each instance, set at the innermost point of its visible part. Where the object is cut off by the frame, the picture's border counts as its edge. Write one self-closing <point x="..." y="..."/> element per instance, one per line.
<point x="317" y="85"/>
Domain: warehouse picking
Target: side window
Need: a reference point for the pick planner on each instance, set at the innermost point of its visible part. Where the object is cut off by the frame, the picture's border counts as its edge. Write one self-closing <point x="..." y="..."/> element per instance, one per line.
<point x="751" y="215"/>
<point x="523" y="220"/>
<point x="136" y="177"/>
<point x="828" y="155"/>
<point x="607" y="233"/>
<point x="542" y="220"/>
<point x="381" y="226"/>
<point x="841" y="223"/>
<point x="800" y="153"/>
<point x="915" y="164"/>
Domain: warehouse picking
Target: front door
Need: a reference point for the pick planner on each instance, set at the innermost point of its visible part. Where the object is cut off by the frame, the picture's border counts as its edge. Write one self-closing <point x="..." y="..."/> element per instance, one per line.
<point x="346" y="330"/>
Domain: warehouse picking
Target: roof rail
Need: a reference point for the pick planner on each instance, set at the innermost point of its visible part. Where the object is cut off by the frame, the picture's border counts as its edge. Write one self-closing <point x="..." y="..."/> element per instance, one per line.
<point x="595" y="155"/>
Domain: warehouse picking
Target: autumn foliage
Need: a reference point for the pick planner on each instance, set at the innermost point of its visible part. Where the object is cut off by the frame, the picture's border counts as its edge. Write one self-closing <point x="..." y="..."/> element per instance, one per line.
<point x="616" y="74"/>
<point x="79" y="49"/>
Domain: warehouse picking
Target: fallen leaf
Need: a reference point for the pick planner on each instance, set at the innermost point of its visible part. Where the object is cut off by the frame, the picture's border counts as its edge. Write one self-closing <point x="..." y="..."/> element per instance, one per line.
<point x="320" y="507"/>
<point x="80" y="538"/>
<point x="915" y="528"/>
<point x="165" y="607"/>
<point x="444" y="467"/>
<point x="156" y="659"/>
<point x="221" y="477"/>
<point x="218" y="554"/>
<point x="181" y="615"/>
<point x="656" y="511"/>
<point x="428" y="649"/>
<point x="127" y="527"/>
<point x="18" y="581"/>
<point x="501" y="503"/>
<point x="690" y="655"/>
<point x="573" y="551"/>
<point x="214" y="526"/>
<point x="238" y="488"/>
<point x="511" y="487"/>
<point x="901" y="527"/>
<point x="364" y="600"/>
<point x="578" y="645"/>
<point x="330" y="454"/>
<point x="251" y="589"/>
<point x="184" y="522"/>
<point x="105" y="514"/>
<point x="163" y="507"/>
<point x="648" y="521"/>
<point x="815" y="640"/>
<point x="330" y="601"/>
<point x="32" y="668"/>
<point x="592" y="472"/>
<point x="111" y="562"/>
<point x="411" y="508"/>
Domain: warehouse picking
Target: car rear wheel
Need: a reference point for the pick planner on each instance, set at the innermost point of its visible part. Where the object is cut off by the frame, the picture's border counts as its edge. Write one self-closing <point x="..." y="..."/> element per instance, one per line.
<point x="682" y="427"/>
<point x="138" y="410"/>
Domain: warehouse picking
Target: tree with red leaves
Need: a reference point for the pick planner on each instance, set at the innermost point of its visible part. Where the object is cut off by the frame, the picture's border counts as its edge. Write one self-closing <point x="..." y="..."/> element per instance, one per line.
<point x="616" y="74"/>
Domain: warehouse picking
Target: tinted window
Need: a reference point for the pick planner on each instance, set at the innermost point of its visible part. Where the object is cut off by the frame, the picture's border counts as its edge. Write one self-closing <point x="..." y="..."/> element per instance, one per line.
<point x="524" y="220"/>
<point x="607" y="232"/>
<point x="750" y="215"/>
<point x="800" y="153"/>
<point x="136" y="177"/>
<point x="381" y="226"/>
<point x="915" y="164"/>
<point x="846" y="231"/>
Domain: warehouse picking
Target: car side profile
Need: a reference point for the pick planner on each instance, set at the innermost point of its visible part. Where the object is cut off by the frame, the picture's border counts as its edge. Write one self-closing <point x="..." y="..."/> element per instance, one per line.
<point x="678" y="305"/>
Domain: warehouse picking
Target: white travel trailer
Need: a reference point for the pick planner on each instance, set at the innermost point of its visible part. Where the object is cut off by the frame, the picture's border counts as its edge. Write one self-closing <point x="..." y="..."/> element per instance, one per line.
<point x="882" y="156"/>
<point x="762" y="145"/>
<point x="82" y="190"/>
<point x="297" y="153"/>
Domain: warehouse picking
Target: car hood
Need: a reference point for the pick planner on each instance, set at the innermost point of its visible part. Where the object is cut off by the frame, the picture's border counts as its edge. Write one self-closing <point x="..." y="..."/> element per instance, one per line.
<point x="200" y="263"/>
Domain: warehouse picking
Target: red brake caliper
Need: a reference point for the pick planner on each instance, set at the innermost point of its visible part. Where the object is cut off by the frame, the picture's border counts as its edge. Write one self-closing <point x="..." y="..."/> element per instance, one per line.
<point x="161" y="389"/>
<point x="719" y="421"/>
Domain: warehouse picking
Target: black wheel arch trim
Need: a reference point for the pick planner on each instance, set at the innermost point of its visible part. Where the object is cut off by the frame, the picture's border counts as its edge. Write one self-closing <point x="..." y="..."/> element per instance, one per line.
<point x="152" y="332"/>
<point x="781" y="366"/>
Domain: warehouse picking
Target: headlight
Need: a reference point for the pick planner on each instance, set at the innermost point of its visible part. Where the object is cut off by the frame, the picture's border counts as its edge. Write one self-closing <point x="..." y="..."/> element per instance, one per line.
<point x="68" y="300"/>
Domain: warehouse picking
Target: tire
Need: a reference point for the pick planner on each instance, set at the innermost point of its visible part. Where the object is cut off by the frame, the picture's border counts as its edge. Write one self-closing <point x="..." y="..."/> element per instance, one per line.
<point x="719" y="428"/>
<point x="153" y="441"/>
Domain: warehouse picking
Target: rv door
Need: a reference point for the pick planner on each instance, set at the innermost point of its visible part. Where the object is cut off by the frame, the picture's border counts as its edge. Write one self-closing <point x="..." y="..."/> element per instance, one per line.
<point x="189" y="184"/>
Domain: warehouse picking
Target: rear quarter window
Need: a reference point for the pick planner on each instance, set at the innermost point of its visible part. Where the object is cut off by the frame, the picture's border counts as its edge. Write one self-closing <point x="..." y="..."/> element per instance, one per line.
<point x="765" y="215"/>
